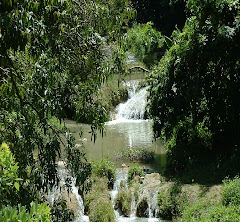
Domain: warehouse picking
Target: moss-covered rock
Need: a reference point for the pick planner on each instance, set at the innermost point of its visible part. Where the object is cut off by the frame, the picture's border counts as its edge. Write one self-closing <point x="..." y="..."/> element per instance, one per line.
<point x="123" y="202"/>
<point x="142" y="208"/>
<point x="101" y="210"/>
<point x="98" y="205"/>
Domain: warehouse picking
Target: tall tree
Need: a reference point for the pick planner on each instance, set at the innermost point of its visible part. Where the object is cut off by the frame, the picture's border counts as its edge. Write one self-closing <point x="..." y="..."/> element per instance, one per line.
<point x="52" y="61"/>
<point x="195" y="89"/>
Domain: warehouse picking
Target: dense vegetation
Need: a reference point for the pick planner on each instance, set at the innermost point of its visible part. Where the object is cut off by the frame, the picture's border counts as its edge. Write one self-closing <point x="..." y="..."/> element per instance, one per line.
<point x="194" y="95"/>
<point x="52" y="64"/>
<point x="54" y="57"/>
<point x="146" y="43"/>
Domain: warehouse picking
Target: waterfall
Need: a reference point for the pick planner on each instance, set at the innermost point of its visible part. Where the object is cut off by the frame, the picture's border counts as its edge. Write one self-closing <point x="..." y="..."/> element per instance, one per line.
<point x="134" y="108"/>
<point x="72" y="198"/>
<point x="121" y="175"/>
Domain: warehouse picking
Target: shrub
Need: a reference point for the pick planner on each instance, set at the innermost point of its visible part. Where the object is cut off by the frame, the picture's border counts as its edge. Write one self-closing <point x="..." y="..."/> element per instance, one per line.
<point x="99" y="189"/>
<point x="194" y="212"/>
<point x="38" y="212"/>
<point x="101" y="210"/>
<point x="146" y="43"/>
<point x="97" y="202"/>
<point x="105" y="168"/>
<point x="204" y="212"/>
<point x="231" y="191"/>
<point x="8" y="174"/>
<point x="123" y="202"/>
<point x="134" y="170"/>
<point x="172" y="202"/>
<point x="60" y="211"/>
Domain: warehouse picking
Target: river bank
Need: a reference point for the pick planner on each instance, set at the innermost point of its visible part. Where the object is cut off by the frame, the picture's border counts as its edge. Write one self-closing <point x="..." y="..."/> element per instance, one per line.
<point x="149" y="197"/>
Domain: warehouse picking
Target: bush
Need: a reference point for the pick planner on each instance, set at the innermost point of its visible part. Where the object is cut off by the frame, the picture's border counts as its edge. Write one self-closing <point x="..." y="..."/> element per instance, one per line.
<point x="204" y="212"/>
<point x="38" y="212"/>
<point x="146" y="43"/>
<point x="8" y="175"/>
<point x="123" y="202"/>
<point x="60" y="211"/>
<point x="113" y="93"/>
<point x="171" y="202"/>
<point x="105" y="168"/>
<point x="231" y="191"/>
<point x="134" y="170"/>
<point x="194" y="212"/>
<point x="101" y="210"/>
<point x="97" y="202"/>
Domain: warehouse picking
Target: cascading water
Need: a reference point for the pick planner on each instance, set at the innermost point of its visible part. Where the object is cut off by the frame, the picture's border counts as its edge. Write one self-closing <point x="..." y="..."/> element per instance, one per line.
<point x="59" y="192"/>
<point x="134" y="108"/>
<point x="128" y="130"/>
<point x="121" y="175"/>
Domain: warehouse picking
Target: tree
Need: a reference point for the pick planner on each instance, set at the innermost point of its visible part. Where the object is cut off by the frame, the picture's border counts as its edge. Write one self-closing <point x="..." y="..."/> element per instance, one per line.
<point x="51" y="62"/>
<point x="195" y="88"/>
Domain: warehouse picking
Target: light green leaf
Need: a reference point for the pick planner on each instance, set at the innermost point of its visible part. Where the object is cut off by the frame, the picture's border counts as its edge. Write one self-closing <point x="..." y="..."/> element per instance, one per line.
<point x="16" y="184"/>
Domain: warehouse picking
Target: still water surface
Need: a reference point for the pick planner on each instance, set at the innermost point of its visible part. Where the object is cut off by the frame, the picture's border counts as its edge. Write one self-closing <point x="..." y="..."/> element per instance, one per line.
<point x="120" y="135"/>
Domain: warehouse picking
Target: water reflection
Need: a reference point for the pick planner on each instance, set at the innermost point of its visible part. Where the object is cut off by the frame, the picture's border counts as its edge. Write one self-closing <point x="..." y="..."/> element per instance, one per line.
<point x="118" y="135"/>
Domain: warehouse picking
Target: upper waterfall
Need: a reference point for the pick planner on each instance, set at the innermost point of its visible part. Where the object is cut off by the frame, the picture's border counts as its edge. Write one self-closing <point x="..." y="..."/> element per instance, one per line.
<point x="134" y="108"/>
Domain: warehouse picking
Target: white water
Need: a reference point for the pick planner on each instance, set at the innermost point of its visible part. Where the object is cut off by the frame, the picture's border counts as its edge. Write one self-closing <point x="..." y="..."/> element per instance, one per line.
<point x="131" y="124"/>
<point x="57" y="193"/>
<point x="134" y="108"/>
<point x="121" y="175"/>
<point x="133" y="111"/>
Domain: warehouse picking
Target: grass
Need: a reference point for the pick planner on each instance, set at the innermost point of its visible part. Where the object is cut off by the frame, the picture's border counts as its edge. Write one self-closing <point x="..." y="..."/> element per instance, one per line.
<point x="195" y="203"/>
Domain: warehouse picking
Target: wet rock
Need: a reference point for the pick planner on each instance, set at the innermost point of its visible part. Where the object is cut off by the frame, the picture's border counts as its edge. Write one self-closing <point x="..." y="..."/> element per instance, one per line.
<point x="142" y="208"/>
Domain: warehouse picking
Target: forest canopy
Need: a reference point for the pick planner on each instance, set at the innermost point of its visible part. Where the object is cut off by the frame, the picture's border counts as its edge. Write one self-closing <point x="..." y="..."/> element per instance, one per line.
<point x="194" y="95"/>
<point x="52" y="64"/>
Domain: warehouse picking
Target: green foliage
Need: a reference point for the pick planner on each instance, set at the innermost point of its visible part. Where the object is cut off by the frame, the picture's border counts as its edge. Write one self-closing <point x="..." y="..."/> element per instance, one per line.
<point x="123" y="202"/>
<point x="204" y="212"/>
<point x="101" y="211"/>
<point x="194" y="90"/>
<point x="226" y="210"/>
<point x="134" y="171"/>
<point x="147" y="44"/>
<point x="60" y="211"/>
<point x="105" y="168"/>
<point x="113" y="93"/>
<point x="9" y="180"/>
<point x="97" y="202"/>
<point x="52" y="65"/>
<point x="231" y="192"/>
<point x="37" y="212"/>
<point x="172" y="202"/>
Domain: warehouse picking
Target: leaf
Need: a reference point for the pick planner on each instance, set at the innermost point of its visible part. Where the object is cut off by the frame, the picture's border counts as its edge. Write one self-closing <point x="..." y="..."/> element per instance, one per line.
<point x="168" y="42"/>
<point x="16" y="184"/>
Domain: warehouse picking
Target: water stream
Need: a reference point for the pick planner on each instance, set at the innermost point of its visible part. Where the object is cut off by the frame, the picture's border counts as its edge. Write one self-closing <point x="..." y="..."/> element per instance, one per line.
<point x="128" y="129"/>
